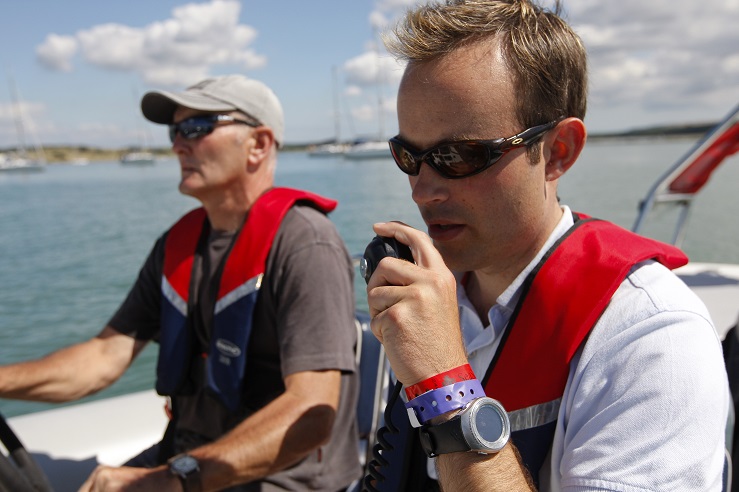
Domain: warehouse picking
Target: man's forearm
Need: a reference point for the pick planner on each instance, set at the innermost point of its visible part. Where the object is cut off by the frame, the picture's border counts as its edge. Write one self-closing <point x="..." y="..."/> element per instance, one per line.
<point x="472" y="472"/>
<point x="277" y="436"/>
<point x="72" y="372"/>
<point x="54" y="378"/>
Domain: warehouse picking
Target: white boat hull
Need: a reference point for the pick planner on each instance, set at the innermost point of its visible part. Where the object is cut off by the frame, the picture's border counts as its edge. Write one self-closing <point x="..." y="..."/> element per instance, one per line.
<point x="69" y="442"/>
<point x="141" y="158"/>
<point x="21" y="164"/>
<point x="368" y="150"/>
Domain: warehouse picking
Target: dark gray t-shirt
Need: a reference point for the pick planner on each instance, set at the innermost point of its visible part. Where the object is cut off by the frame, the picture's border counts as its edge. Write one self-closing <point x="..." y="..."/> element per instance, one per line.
<point x="303" y="321"/>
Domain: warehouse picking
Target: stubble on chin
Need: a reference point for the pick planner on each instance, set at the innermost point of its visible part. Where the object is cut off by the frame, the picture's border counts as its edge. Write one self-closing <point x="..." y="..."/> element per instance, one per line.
<point x="453" y="258"/>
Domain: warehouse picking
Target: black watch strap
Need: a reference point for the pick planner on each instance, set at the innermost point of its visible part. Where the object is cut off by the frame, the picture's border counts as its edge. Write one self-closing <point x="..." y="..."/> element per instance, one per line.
<point x="443" y="438"/>
<point x="191" y="483"/>
<point x="187" y="469"/>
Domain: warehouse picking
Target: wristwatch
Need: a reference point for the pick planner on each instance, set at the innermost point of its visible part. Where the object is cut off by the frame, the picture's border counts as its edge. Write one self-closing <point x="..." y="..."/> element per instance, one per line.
<point x="187" y="469"/>
<point x="482" y="427"/>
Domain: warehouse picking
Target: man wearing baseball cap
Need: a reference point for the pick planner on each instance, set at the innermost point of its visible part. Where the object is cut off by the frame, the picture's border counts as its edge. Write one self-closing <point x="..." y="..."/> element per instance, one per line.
<point x="250" y="298"/>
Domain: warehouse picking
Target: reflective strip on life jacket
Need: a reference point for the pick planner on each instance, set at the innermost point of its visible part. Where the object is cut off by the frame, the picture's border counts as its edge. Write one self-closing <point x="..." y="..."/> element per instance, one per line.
<point x="171" y="296"/>
<point x="534" y="416"/>
<point x="251" y="286"/>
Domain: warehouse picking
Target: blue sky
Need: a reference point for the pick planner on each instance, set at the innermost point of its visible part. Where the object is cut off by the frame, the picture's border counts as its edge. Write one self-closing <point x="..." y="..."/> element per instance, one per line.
<point x="80" y="66"/>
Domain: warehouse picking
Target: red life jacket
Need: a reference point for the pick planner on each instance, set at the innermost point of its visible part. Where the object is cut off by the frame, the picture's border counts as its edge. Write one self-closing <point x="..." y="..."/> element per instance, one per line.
<point x="237" y="294"/>
<point x="561" y="301"/>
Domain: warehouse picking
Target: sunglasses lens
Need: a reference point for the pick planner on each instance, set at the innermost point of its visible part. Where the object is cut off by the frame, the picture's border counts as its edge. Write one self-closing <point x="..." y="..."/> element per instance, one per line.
<point x="191" y="128"/>
<point x="459" y="160"/>
<point x="454" y="160"/>
<point x="404" y="159"/>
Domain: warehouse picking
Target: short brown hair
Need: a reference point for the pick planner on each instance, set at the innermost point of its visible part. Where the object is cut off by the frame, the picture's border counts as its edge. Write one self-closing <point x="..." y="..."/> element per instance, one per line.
<point x="546" y="58"/>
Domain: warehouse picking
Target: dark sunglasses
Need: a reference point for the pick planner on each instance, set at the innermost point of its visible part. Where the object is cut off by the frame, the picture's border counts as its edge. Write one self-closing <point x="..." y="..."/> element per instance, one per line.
<point x="200" y="126"/>
<point x="455" y="160"/>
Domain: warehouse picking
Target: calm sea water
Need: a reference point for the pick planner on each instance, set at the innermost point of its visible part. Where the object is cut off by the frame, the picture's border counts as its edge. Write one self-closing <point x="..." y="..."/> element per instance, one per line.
<point x="73" y="238"/>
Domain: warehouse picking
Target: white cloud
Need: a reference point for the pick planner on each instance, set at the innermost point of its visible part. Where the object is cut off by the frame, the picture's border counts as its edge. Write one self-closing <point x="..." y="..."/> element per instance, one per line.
<point x="395" y="5"/>
<point x="648" y="55"/>
<point x="352" y="91"/>
<point x="371" y="69"/>
<point x="387" y="12"/>
<point x="389" y="105"/>
<point x="378" y="20"/>
<point x="112" y="46"/>
<point x="365" y="112"/>
<point x="660" y="53"/>
<point x="56" y="52"/>
<point x="731" y="64"/>
<point x="174" y="51"/>
<point x="362" y="70"/>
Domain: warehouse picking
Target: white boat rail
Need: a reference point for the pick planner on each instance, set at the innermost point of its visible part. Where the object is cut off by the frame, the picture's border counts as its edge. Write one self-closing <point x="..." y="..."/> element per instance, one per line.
<point x="679" y="185"/>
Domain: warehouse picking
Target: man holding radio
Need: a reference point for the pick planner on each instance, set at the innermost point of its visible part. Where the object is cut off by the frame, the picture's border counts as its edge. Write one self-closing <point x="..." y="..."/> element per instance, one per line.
<point x="538" y="348"/>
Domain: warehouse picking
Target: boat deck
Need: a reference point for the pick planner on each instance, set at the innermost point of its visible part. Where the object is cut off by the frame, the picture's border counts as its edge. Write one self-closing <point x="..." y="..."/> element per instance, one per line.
<point x="717" y="284"/>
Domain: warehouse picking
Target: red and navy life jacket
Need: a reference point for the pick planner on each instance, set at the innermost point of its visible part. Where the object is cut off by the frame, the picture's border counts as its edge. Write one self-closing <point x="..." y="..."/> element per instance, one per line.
<point x="561" y="301"/>
<point x="237" y="294"/>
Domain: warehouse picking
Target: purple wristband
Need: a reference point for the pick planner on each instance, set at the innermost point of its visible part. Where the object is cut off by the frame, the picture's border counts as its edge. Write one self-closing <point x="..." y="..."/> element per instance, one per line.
<point x="443" y="400"/>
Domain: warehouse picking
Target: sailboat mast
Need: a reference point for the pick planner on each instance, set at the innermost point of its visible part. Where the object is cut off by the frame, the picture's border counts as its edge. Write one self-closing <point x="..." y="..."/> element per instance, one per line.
<point x="379" y="83"/>
<point x="337" y="121"/>
<point x="17" y="116"/>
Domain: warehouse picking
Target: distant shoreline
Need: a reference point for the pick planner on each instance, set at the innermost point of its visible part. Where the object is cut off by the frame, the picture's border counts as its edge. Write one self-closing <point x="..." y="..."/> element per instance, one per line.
<point x="677" y="131"/>
<point x="69" y="153"/>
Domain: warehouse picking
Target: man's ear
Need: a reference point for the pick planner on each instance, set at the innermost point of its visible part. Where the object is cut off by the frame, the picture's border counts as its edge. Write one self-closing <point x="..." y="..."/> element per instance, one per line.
<point x="264" y="141"/>
<point x="567" y="140"/>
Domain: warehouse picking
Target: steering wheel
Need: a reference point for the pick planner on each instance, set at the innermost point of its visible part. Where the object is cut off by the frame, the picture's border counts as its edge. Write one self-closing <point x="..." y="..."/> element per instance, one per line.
<point x="19" y="472"/>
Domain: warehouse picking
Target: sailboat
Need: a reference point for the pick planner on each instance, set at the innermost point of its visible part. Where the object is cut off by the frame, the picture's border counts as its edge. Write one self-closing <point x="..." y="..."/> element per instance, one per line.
<point x="21" y="160"/>
<point x="370" y="149"/>
<point x="138" y="157"/>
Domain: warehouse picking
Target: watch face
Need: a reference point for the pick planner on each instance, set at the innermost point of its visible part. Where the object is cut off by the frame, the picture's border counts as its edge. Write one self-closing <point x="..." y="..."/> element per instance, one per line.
<point x="183" y="465"/>
<point x="489" y="424"/>
<point x="487" y="429"/>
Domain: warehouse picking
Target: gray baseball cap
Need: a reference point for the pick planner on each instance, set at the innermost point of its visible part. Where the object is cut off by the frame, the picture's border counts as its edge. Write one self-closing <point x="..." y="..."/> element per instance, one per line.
<point x="225" y="93"/>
